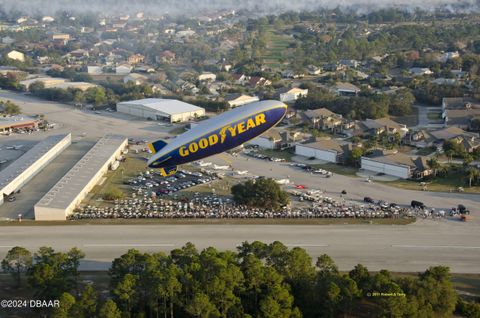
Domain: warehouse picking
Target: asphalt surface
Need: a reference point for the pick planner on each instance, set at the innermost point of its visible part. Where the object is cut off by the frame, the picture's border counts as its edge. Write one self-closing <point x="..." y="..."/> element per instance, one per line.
<point x="409" y="248"/>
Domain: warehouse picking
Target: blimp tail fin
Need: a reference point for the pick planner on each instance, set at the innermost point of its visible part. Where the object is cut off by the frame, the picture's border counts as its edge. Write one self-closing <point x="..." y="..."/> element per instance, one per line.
<point x="168" y="171"/>
<point x="156" y="146"/>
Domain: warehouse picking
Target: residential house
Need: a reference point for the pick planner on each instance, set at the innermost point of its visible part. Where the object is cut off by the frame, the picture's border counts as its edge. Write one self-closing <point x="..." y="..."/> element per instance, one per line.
<point x="8" y="40"/>
<point x="419" y="71"/>
<point x="459" y="111"/>
<point x="17" y="56"/>
<point x="436" y="138"/>
<point x="166" y="57"/>
<point x="80" y="53"/>
<point x="94" y="69"/>
<point x="349" y="63"/>
<point x="291" y="74"/>
<point x="135" y="78"/>
<point x="324" y="119"/>
<point x="275" y="139"/>
<point x="314" y="70"/>
<point x="123" y="69"/>
<point x="397" y="164"/>
<point x="135" y="59"/>
<point x="257" y="81"/>
<point x="346" y="89"/>
<point x="207" y="76"/>
<point x="374" y="127"/>
<point x="448" y="56"/>
<point x="329" y="150"/>
<point x="240" y="79"/>
<point x="235" y="100"/>
<point x="291" y="94"/>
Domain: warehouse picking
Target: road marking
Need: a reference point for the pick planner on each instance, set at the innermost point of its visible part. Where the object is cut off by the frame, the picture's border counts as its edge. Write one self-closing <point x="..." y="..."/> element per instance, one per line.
<point x="130" y="245"/>
<point x="437" y="246"/>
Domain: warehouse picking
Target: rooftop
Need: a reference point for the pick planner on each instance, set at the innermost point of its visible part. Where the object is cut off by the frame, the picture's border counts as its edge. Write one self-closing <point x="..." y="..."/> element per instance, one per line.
<point x="29" y="158"/>
<point x="168" y="106"/>
<point x="15" y="120"/>
<point x="327" y="144"/>
<point x="69" y="187"/>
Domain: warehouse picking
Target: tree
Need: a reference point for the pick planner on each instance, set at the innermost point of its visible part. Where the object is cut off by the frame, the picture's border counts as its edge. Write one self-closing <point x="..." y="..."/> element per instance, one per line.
<point x="74" y="256"/>
<point x="264" y="193"/>
<point x="109" y="310"/>
<point x="10" y="108"/>
<point x="201" y="307"/>
<point x="17" y="261"/>
<point x="50" y="274"/>
<point x="355" y="155"/>
<point x="67" y="301"/>
<point x="125" y="292"/>
<point x="86" y="306"/>
<point x="434" y="165"/>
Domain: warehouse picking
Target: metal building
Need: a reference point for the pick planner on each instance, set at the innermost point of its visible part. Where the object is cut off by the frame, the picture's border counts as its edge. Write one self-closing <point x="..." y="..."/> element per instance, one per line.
<point x="62" y="199"/>
<point x="18" y="173"/>
<point x="170" y="110"/>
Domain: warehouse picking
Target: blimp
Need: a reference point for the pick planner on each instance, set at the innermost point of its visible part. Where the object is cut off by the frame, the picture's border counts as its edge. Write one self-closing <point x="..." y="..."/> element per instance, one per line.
<point x="216" y="135"/>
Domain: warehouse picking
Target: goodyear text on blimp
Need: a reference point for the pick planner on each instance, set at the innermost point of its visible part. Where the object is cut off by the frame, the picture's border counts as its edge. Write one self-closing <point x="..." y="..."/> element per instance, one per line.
<point x="213" y="139"/>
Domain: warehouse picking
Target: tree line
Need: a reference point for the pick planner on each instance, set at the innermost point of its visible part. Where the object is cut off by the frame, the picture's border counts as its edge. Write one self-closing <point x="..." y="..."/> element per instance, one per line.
<point x="358" y="107"/>
<point x="256" y="280"/>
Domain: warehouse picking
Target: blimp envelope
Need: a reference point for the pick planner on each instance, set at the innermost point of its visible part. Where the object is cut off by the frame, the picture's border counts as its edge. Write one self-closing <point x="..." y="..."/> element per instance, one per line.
<point x="216" y="135"/>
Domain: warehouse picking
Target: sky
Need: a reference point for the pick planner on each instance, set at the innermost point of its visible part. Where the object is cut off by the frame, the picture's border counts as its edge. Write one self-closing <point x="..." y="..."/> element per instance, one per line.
<point x="193" y="7"/>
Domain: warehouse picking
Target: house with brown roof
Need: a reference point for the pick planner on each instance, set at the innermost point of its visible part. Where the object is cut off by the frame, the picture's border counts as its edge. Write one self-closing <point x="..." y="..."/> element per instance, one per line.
<point x="436" y="138"/>
<point x="459" y="111"/>
<point x="378" y="126"/>
<point x="324" y="119"/>
<point x="275" y="138"/>
<point x="257" y="81"/>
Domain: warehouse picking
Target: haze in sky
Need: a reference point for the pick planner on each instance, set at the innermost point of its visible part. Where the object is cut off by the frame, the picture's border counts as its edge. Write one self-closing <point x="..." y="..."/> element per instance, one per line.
<point x="194" y="7"/>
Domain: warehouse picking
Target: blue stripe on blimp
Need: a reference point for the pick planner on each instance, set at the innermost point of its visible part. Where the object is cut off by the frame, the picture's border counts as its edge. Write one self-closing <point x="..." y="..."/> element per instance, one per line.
<point x="222" y="139"/>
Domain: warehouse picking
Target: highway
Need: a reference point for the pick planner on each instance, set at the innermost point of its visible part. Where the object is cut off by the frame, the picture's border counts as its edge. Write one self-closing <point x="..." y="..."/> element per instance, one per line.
<point x="408" y="248"/>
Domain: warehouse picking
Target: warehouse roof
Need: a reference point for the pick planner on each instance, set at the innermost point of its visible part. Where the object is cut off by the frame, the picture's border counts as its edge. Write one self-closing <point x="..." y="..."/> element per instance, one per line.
<point x="167" y="106"/>
<point x="328" y="144"/>
<point x="69" y="187"/>
<point x="16" y="168"/>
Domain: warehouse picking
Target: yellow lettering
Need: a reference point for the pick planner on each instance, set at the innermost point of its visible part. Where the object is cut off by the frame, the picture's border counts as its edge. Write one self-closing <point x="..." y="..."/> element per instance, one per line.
<point x="203" y="143"/>
<point x="241" y="127"/>
<point x="233" y="131"/>
<point x="250" y="123"/>
<point x="223" y="134"/>
<point x="183" y="151"/>
<point x="193" y="147"/>
<point x="260" y="119"/>
<point x="212" y="139"/>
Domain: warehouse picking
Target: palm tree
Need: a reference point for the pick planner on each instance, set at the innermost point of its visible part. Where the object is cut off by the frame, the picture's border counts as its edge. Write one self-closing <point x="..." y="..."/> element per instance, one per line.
<point x="434" y="165"/>
<point x="473" y="174"/>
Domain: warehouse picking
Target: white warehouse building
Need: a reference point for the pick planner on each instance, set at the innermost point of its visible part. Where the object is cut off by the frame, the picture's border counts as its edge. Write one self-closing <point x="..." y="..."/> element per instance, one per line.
<point x="69" y="192"/>
<point x="18" y="173"/>
<point x="170" y="110"/>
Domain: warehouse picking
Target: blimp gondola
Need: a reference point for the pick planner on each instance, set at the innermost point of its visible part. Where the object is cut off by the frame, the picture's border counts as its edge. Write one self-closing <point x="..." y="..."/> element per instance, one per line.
<point x="216" y="135"/>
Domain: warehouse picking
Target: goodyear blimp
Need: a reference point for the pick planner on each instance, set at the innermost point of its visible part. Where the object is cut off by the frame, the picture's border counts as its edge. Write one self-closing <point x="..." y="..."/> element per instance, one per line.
<point x="216" y="135"/>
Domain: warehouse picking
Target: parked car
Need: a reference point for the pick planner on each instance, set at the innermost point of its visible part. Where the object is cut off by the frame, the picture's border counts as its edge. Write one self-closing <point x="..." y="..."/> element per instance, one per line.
<point x="368" y="200"/>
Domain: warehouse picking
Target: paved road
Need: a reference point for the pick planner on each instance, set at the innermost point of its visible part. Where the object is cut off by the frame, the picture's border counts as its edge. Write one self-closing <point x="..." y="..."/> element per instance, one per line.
<point x="398" y="248"/>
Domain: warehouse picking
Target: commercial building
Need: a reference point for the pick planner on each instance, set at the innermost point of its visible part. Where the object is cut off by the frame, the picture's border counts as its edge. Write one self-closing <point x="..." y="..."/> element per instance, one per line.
<point x="170" y="110"/>
<point x="18" y="173"/>
<point x="235" y="100"/>
<point x="398" y="165"/>
<point x="60" y="201"/>
<point x="9" y="124"/>
<point x="325" y="149"/>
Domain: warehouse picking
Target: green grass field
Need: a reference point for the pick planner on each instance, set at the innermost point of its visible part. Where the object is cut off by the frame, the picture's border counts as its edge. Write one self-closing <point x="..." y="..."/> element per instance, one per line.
<point x="277" y="47"/>
<point x="440" y="184"/>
